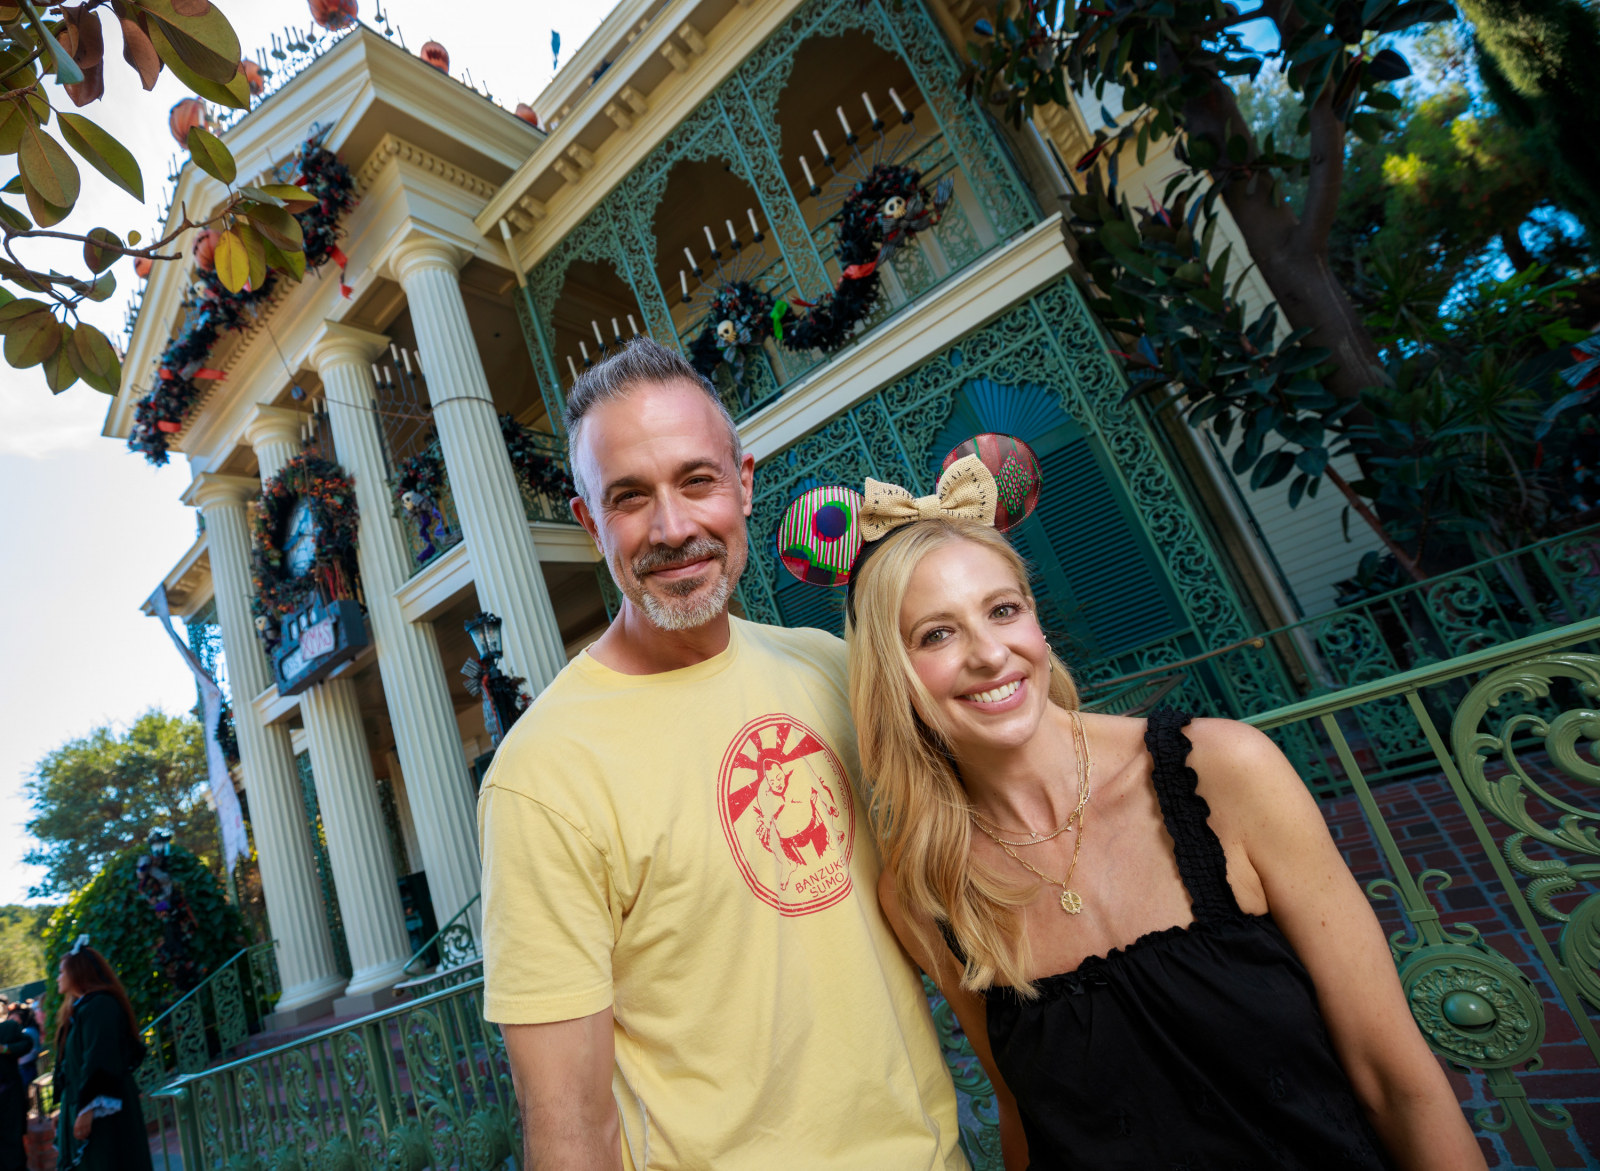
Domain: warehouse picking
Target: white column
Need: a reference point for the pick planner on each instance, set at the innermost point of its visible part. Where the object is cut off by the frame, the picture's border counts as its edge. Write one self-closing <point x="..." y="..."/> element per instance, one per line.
<point x="402" y="807"/>
<point x="347" y="792"/>
<point x="306" y="963"/>
<point x="420" y="708"/>
<point x="505" y="563"/>
<point x="358" y="843"/>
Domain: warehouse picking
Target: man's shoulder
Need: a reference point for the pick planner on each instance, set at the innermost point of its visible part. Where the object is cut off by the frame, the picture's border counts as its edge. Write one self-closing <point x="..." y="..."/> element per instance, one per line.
<point x="806" y="644"/>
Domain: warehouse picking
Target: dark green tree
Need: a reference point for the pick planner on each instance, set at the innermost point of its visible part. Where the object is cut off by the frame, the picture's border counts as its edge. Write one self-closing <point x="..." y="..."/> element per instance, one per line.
<point x="1540" y="63"/>
<point x="96" y="796"/>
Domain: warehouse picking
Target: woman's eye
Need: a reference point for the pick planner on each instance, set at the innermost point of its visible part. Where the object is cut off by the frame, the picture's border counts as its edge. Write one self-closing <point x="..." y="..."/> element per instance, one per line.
<point x="934" y="637"/>
<point x="1007" y="610"/>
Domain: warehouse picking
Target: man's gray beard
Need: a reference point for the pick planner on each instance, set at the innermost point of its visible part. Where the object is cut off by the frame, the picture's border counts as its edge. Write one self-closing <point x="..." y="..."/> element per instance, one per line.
<point x="679" y="611"/>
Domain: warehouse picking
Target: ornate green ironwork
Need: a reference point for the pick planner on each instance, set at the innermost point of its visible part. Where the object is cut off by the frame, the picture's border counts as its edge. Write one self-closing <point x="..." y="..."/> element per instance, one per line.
<point x="216" y="1016"/>
<point x="425" y="1084"/>
<point x="391" y="826"/>
<point x="319" y="844"/>
<point x="1475" y="1006"/>
<point x="455" y="943"/>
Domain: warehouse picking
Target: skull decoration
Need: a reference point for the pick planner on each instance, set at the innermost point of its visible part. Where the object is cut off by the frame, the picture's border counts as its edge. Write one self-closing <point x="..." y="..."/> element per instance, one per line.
<point x="727" y="333"/>
<point x="894" y="207"/>
<point x="261" y="623"/>
<point x="410" y="500"/>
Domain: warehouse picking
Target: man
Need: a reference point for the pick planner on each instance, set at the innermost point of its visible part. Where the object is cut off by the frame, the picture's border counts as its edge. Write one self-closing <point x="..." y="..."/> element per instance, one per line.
<point x="683" y="945"/>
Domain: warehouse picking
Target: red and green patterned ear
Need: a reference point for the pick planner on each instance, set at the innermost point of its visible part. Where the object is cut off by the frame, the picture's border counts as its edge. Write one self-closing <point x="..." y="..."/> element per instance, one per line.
<point x="820" y="537"/>
<point x="1016" y="473"/>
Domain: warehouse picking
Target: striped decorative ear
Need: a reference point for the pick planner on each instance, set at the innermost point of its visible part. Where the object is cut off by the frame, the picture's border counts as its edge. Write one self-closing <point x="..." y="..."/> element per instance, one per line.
<point x="820" y="537"/>
<point x="1016" y="473"/>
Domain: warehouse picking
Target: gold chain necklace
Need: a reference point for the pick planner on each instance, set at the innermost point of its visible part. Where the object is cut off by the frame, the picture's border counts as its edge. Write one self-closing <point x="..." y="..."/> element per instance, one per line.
<point x="1034" y="839"/>
<point x="1071" y="900"/>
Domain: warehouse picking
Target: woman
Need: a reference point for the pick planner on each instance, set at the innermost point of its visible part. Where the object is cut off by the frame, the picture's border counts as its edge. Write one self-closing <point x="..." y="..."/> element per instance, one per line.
<point x="100" y="1126"/>
<point x="28" y="1063"/>
<point x="1142" y="925"/>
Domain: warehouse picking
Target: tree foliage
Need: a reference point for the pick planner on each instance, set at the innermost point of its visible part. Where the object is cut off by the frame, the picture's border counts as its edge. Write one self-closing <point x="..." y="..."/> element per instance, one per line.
<point x="22" y="958"/>
<point x="121" y="924"/>
<point x="101" y="794"/>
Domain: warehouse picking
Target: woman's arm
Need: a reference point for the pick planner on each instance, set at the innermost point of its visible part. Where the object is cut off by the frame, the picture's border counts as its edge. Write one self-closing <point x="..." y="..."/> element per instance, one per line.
<point x="943" y="970"/>
<point x="1259" y="803"/>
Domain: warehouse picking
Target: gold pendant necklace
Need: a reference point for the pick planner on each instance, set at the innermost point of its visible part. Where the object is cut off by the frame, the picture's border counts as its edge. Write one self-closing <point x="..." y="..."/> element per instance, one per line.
<point x="1071" y="900"/>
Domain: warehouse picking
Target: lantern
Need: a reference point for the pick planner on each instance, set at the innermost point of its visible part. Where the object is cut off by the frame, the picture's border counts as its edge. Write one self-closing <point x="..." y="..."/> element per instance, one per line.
<point x="205" y="249"/>
<point x="142" y="267"/>
<point x="185" y="116"/>
<point x="436" y="55"/>
<point x="525" y="112"/>
<point x="484" y="629"/>
<point x="333" y="15"/>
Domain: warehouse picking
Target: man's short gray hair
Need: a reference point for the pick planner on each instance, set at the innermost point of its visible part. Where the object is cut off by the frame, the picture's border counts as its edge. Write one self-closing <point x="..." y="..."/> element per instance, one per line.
<point x="643" y="361"/>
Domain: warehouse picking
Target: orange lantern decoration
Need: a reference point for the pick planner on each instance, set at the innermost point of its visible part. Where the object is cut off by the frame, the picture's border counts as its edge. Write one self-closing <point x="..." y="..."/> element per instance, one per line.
<point x="333" y="15"/>
<point x="142" y="267"/>
<point x="436" y="55"/>
<point x="525" y="112"/>
<point x="253" y="77"/>
<point x="205" y="248"/>
<point x="185" y="116"/>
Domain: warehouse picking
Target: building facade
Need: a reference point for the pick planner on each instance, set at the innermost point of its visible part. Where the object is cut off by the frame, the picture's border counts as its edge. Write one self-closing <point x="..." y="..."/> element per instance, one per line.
<point x="688" y="145"/>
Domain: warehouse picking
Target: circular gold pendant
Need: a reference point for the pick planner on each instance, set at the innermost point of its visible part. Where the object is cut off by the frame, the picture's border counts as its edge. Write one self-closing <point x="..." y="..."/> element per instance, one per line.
<point x="1071" y="901"/>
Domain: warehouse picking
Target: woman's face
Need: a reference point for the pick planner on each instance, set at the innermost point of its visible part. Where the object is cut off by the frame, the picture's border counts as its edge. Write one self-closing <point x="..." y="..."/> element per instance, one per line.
<point x="63" y="983"/>
<point x="976" y="645"/>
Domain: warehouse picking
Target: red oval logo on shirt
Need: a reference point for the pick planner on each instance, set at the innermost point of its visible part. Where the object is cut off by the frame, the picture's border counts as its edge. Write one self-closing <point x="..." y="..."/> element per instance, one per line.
<point x="787" y="812"/>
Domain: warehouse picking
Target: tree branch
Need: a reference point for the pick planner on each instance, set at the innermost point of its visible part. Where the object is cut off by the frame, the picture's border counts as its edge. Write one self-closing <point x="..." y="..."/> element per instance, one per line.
<point x="1407" y="562"/>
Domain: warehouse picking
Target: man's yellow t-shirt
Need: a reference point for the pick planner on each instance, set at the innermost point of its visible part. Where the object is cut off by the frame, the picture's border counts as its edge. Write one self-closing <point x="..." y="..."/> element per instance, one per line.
<point x="690" y="848"/>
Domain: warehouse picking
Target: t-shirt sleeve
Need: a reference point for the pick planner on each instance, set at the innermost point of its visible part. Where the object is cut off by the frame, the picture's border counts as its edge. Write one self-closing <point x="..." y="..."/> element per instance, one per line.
<point x="547" y="919"/>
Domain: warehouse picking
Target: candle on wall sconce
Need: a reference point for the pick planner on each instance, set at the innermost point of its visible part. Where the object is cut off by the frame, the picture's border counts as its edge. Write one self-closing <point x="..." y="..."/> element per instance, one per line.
<point x="684" y="281"/>
<point x="584" y="350"/>
<point x="827" y="158"/>
<point x="376" y="377"/>
<point x="872" y="115"/>
<point x="849" y="135"/>
<point x="693" y="267"/>
<point x="755" y="229"/>
<point x="571" y="365"/>
<point x="598" y="340"/>
<point x="615" y="331"/>
<point x="711" y="243"/>
<point x="733" y="237"/>
<point x="633" y="326"/>
<point x="810" y="182"/>
<point x="905" y="114"/>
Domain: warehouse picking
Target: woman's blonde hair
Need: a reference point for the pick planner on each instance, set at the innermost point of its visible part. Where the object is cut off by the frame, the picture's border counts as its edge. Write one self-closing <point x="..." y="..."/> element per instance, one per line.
<point x="920" y="809"/>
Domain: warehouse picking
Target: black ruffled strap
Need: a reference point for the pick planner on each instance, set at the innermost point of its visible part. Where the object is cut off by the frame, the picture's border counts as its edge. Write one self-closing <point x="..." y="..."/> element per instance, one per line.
<point x="1201" y="862"/>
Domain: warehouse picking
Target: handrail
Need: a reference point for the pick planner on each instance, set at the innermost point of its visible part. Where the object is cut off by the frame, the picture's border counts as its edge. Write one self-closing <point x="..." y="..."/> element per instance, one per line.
<point x="196" y="990"/>
<point x="1429" y="675"/>
<point x="438" y="936"/>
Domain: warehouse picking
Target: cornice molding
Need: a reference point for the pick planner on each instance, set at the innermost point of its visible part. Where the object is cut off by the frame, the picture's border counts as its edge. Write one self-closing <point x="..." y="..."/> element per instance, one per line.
<point x="392" y="149"/>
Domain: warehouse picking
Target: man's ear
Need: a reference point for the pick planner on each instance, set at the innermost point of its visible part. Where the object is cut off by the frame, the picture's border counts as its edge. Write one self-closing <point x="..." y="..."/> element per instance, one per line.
<point x="581" y="514"/>
<point x="747" y="481"/>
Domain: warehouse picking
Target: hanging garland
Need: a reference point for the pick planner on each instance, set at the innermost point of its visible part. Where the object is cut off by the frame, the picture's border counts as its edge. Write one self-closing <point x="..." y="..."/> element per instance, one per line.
<point x="213" y="311"/>
<point x="332" y="571"/>
<point x="741" y="318"/>
<point x="533" y="464"/>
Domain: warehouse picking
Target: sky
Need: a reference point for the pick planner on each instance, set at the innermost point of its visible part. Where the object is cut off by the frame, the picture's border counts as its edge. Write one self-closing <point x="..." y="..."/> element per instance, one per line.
<point x="92" y="527"/>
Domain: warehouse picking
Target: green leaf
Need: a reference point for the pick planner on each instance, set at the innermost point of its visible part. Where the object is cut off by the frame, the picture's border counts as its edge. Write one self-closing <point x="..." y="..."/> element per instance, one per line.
<point x="102" y="152"/>
<point x="60" y="371"/>
<point x="103" y="287"/>
<point x="205" y="44"/>
<point x="95" y="360"/>
<point x="255" y="247"/>
<point x="235" y="94"/>
<point x="13" y="219"/>
<point x="211" y="156"/>
<point x="291" y="264"/>
<point x="14" y="119"/>
<point x="277" y="225"/>
<point x="16" y="309"/>
<point x="47" y="168"/>
<point x="45" y="213"/>
<point x="232" y="261"/>
<point x="285" y="195"/>
<point x="31" y="339"/>
<point x="95" y="253"/>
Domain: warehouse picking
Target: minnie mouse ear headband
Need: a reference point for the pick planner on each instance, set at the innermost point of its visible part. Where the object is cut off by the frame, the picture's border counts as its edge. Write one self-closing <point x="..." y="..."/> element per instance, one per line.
<point x="828" y="532"/>
<point x="82" y="942"/>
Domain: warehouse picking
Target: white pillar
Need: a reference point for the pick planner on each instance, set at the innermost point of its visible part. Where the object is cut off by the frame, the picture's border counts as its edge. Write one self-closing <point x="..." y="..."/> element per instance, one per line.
<point x="505" y="563"/>
<point x="402" y="808"/>
<point x="306" y="964"/>
<point x="347" y="793"/>
<point x="358" y="843"/>
<point x="420" y="708"/>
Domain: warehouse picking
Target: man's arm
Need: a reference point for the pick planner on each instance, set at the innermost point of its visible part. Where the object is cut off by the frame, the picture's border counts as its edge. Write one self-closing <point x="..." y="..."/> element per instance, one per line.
<point x="562" y="1072"/>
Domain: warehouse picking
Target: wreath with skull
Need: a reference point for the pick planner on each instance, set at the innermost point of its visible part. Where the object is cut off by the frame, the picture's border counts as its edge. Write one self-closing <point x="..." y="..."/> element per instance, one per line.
<point x="741" y="318"/>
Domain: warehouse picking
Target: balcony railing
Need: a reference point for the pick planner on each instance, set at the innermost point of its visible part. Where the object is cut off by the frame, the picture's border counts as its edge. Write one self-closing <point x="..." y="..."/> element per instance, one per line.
<point x="218" y="1015"/>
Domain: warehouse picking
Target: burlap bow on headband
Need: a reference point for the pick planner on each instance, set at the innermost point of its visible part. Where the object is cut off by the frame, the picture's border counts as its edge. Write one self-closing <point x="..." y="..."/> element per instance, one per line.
<point x="967" y="491"/>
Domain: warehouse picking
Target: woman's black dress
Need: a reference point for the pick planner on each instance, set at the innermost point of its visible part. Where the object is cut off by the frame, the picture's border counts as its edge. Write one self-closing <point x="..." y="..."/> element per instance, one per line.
<point x="99" y="1057"/>
<point x="1194" y="1047"/>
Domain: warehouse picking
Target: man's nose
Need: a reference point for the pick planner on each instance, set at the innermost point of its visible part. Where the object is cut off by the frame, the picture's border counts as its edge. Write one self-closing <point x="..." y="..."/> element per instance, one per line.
<point x="672" y="525"/>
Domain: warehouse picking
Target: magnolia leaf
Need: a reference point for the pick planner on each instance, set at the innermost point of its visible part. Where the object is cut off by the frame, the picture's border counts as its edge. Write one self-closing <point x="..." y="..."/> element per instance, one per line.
<point x="16" y="309"/>
<point x="18" y="275"/>
<point x="96" y="254"/>
<point x="191" y="7"/>
<point x="14" y="119"/>
<point x="95" y="359"/>
<point x="31" y="339"/>
<point x="291" y="264"/>
<point x="292" y="199"/>
<point x="232" y="261"/>
<point x="47" y="168"/>
<point x="14" y="219"/>
<point x="235" y="93"/>
<point x="276" y="224"/>
<point x="103" y="287"/>
<point x="206" y="43"/>
<point x="255" y="248"/>
<point x="138" y="51"/>
<point x="13" y="185"/>
<point x="60" y="371"/>
<point x="102" y="152"/>
<point x="211" y="156"/>
<point x="44" y="213"/>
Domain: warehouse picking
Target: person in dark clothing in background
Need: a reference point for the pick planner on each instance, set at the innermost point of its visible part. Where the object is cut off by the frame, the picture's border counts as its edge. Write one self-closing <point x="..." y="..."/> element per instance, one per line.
<point x="13" y="1096"/>
<point x="98" y="1051"/>
<point x="28" y="1063"/>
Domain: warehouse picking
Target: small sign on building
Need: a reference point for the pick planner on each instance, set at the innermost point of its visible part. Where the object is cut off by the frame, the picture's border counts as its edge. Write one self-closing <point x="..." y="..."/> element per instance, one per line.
<point x="317" y="638"/>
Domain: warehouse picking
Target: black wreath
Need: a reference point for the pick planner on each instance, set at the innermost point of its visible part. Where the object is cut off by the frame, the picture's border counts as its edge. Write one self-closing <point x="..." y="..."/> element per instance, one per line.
<point x="752" y="314"/>
<point x="424" y="472"/>
<point x="333" y="569"/>
<point x="866" y="237"/>
<point x="215" y="311"/>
